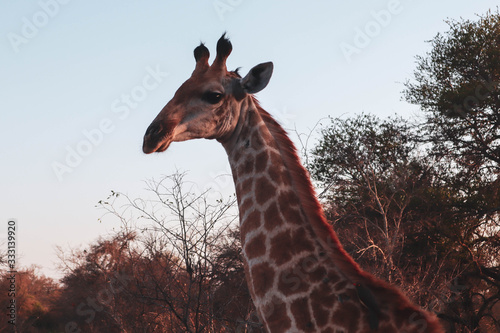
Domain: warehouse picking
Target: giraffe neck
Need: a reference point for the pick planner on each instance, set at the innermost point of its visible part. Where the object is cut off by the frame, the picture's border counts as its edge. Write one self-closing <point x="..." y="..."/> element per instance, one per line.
<point x="289" y="250"/>
<point x="299" y="275"/>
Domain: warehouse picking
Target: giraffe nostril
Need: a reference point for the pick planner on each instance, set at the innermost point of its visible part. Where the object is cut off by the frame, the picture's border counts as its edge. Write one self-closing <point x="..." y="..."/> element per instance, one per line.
<point x="152" y="137"/>
<point x="154" y="131"/>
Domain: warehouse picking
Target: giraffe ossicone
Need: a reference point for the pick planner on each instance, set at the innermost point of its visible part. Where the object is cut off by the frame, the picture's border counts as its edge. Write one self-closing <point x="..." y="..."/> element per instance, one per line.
<point x="300" y="277"/>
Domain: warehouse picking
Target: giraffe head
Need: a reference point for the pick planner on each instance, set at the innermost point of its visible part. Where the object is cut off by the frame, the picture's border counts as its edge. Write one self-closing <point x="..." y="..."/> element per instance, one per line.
<point x="208" y="104"/>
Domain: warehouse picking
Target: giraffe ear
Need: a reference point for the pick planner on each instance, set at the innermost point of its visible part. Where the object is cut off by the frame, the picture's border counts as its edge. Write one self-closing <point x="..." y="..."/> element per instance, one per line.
<point x="258" y="78"/>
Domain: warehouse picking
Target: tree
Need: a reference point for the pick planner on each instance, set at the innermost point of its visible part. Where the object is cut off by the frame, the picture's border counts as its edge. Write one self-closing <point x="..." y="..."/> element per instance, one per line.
<point x="186" y="262"/>
<point x="35" y="296"/>
<point x="457" y="86"/>
<point x="401" y="216"/>
<point x="375" y="184"/>
<point x="95" y="294"/>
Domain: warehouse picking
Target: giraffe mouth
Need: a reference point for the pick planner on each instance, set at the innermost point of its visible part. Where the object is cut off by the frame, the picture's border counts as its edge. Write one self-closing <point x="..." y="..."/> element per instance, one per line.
<point x="157" y="148"/>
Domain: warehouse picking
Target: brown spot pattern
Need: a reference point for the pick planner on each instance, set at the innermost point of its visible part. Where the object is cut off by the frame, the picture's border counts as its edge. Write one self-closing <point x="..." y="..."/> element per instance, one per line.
<point x="245" y="186"/>
<point x="321" y="314"/>
<point x="291" y="282"/>
<point x="318" y="274"/>
<point x="256" y="247"/>
<point x="323" y="295"/>
<point x="281" y="248"/>
<point x="237" y="156"/>
<point x="245" y="205"/>
<point x="276" y="159"/>
<point x="266" y="135"/>
<point x="311" y="269"/>
<point x="301" y="241"/>
<point x="276" y="317"/>
<point x="276" y="176"/>
<point x="251" y="222"/>
<point x="291" y="215"/>
<point x="332" y="278"/>
<point x="264" y="190"/>
<point x="279" y="173"/>
<point x="272" y="217"/>
<point x="245" y="132"/>
<point x="262" y="278"/>
<point x="246" y="167"/>
<point x="257" y="142"/>
<point x="287" y="244"/>
<point x="288" y="199"/>
<point x="261" y="162"/>
<point x="343" y="315"/>
<point x="286" y="202"/>
<point x="302" y="315"/>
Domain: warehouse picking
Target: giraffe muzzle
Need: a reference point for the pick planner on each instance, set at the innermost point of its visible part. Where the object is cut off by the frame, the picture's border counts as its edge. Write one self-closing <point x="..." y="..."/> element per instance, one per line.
<point x="157" y="138"/>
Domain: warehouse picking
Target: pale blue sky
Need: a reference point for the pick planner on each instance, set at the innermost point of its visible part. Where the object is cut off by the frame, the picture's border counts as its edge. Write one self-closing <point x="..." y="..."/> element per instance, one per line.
<point x="67" y="67"/>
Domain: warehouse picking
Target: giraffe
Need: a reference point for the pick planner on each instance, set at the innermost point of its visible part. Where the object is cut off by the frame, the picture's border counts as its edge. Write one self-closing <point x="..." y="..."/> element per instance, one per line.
<point x="300" y="277"/>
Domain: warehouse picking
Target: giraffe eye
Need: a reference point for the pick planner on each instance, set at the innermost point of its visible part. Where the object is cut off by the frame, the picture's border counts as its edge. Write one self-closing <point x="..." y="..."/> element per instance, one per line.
<point x="212" y="97"/>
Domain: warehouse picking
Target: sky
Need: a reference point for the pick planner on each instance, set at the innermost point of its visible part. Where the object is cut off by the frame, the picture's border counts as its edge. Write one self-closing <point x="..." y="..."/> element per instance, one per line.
<point x="80" y="81"/>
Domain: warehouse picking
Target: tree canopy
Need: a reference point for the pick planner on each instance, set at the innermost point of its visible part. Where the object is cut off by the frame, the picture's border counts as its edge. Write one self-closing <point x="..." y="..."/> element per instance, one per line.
<point x="457" y="85"/>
